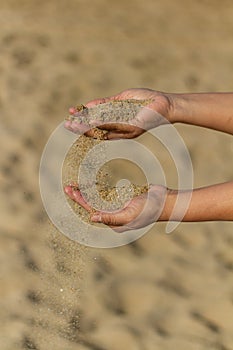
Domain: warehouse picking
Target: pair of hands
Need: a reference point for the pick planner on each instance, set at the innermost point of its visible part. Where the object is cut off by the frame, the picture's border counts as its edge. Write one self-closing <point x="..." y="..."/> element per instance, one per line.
<point x="146" y="208"/>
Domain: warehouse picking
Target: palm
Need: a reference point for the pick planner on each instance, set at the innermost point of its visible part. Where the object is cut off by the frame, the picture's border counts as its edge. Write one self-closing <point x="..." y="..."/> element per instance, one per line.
<point x="141" y="211"/>
<point x="156" y="113"/>
<point x="145" y="94"/>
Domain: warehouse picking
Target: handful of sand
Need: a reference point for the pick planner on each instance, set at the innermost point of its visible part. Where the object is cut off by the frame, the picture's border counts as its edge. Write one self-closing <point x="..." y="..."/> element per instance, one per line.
<point x="112" y="111"/>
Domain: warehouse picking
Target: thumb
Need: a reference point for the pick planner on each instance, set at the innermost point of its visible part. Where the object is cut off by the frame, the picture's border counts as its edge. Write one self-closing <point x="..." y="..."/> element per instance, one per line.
<point x="114" y="218"/>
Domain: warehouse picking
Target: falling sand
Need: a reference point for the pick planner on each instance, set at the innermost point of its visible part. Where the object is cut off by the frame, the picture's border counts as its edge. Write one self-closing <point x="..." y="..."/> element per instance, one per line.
<point x="58" y="300"/>
<point x="101" y="191"/>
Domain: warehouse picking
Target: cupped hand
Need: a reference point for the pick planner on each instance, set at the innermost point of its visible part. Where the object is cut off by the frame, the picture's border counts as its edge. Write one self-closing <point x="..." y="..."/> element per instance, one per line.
<point x="139" y="212"/>
<point x="157" y="112"/>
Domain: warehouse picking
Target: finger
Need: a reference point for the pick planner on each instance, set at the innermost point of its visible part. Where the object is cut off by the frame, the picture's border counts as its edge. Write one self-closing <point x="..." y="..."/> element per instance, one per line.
<point x="69" y="191"/>
<point x="76" y="196"/>
<point x="128" y="127"/>
<point x="90" y="133"/>
<point x="112" y="126"/>
<point x="119" y="218"/>
<point x="67" y="125"/>
<point x="120" y="229"/>
<point x="117" y="131"/>
<point x="119" y="96"/>
<point x="72" y="110"/>
<point x="95" y="133"/>
<point x="111" y="135"/>
<point x="123" y="95"/>
<point x="116" y="135"/>
<point x="76" y="127"/>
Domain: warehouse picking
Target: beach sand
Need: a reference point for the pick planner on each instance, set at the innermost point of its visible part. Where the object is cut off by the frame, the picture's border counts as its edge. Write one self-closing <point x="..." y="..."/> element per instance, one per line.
<point x="162" y="291"/>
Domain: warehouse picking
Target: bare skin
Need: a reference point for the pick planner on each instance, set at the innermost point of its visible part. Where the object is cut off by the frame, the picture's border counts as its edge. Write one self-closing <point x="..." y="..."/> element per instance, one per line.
<point x="142" y="209"/>
<point x="210" y="110"/>
<point x="160" y="106"/>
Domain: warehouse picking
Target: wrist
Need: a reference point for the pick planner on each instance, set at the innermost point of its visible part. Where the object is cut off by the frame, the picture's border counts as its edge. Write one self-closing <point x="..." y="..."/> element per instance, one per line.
<point x="178" y="107"/>
<point x="174" y="106"/>
<point x="165" y="104"/>
<point x="169" y="203"/>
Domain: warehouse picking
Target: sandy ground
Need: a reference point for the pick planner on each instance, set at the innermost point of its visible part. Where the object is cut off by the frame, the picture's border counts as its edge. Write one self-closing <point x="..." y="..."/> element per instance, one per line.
<point x="163" y="291"/>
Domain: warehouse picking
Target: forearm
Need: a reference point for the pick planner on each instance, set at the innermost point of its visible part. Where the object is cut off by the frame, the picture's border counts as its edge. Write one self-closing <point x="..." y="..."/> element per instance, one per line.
<point x="212" y="203"/>
<point x="210" y="110"/>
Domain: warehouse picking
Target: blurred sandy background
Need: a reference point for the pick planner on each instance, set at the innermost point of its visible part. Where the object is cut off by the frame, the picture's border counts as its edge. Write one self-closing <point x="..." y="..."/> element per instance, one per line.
<point x="163" y="291"/>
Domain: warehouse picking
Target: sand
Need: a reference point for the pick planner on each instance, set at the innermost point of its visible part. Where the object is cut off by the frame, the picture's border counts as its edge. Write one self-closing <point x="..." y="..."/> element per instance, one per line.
<point x="112" y="111"/>
<point x="163" y="291"/>
<point x="105" y="197"/>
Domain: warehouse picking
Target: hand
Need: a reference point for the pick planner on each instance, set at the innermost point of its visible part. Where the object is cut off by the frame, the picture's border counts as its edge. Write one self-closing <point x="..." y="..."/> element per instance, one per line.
<point x="139" y="212"/>
<point x="158" y="112"/>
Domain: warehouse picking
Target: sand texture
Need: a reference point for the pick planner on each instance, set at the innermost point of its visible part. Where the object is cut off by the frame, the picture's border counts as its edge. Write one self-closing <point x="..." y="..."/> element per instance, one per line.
<point x="162" y="292"/>
<point x="113" y="111"/>
<point x="103" y="196"/>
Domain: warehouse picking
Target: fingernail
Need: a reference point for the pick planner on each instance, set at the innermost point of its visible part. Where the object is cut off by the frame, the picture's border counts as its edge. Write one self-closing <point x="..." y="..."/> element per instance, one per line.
<point x="66" y="189"/>
<point x="72" y="110"/>
<point x="96" y="218"/>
